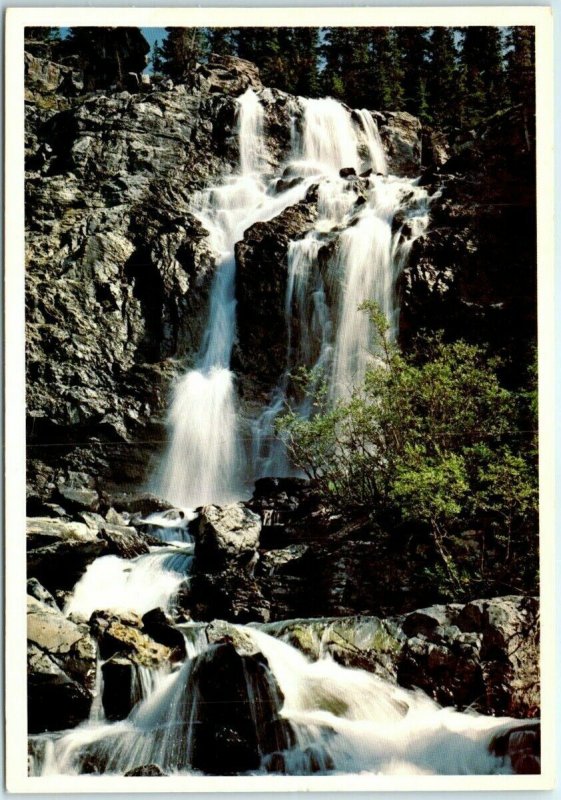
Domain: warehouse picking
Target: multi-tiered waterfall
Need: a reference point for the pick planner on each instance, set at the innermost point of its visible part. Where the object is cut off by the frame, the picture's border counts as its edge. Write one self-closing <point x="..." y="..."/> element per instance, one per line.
<point x="340" y="720"/>
<point x="207" y="460"/>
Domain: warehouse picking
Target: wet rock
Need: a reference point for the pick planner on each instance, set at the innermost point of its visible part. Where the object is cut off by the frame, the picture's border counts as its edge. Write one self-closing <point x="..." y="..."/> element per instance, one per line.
<point x="61" y="664"/>
<point x="436" y="149"/>
<point x="347" y="172"/>
<point x="160" y="628"/>
<point x="58" y="551"/>
<point x="121" y="687"/>
<point x="522" y="746"/>
<point x="146" y="771"/>
<point x="220" y="632"/>
<point x="225" y="534"/>
<point x="120" y="634"/>
<point x="123" y="541"/>
<point x="231" y="595"/>
<point x="261" y="277"/>
<point x="237" y="697"/>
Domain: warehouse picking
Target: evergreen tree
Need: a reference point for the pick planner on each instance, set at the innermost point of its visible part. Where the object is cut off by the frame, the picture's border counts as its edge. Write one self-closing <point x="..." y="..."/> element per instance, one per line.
<point x="443" y="75"/>
<point x="105" y="55"/>
<point x="221" y="41"/>
<point x="521" y="66"/>
<point x="413" y="48"/>
<point x="304" y="51"/>
<point x="386" y="86"/>
<point x="483" y="78"/>
<point x="156" y="59"/>
<point x="181" y="51"/>
<point x="262" y="47"/>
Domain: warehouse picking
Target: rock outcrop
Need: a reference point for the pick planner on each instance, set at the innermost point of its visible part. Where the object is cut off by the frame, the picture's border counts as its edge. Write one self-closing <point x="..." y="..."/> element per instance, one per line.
<point x="474" y="271"/>
<point x="481" y="655"/>
<point x="61" y="668"/>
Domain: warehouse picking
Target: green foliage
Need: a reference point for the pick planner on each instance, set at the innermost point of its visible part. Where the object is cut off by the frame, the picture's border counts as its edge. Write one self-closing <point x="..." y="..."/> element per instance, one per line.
<point x="181" y="51"/>
<point x="430" y="439"/>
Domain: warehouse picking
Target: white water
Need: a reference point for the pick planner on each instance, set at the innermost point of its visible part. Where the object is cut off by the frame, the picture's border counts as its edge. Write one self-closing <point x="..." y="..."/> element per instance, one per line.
<point x="139" y="584"/>
<point x="207" y="461"/>
<point x="345" y="721"/>
<point x="349" y="720"/>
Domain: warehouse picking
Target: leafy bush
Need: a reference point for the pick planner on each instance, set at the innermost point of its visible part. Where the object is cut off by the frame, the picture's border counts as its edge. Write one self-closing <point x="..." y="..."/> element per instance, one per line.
<point x="430" y="439"/>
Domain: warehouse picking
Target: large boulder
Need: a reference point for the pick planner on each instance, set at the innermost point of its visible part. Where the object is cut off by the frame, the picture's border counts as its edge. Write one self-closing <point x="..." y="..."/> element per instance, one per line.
<point x="123" y="635"/>
<point x="224" y="535"/>
<point x="401" y="134"/>
<point x="232" y="595"/>
<point x="237" y="711"/>
<point x="58" y="551"/>
<point x="61" y="669"/>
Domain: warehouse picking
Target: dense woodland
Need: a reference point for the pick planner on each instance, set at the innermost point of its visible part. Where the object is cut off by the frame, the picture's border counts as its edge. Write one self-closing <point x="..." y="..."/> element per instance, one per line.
<point x="448" y="77"/>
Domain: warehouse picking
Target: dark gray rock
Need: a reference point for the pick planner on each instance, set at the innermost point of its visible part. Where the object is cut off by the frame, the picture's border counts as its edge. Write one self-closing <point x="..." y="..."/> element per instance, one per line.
<point x="237" y="700"/>
<point x="146" y="771"/>
<point x="474" y="270"/>
<point x="261" y="279"/>
<point x="231" y="595"/>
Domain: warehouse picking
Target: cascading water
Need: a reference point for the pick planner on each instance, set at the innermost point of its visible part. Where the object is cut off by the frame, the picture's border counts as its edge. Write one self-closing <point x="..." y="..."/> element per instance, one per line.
<point x="339" y="719"/>
<point x="206" y="459"/>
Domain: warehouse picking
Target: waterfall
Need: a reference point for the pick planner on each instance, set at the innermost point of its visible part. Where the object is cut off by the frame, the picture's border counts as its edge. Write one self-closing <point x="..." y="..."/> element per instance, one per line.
<point x="207" y="459"/>
<point x="342" y="720"/>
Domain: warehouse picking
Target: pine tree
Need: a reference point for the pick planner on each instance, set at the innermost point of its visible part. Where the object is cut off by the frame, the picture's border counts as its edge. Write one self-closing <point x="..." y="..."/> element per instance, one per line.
<point x="521" y="66"/>
<point x="156" y="59"/>
<point x="106" y="55"/>
<point x="386" y="89"/>
<point x="443" y="76"/>
<point x="221" y="41"/>
<point x="413" y="48"/>
<point x="181" y="51"/>
<point x="483" y="77"/>
<point x="48" y="35"/>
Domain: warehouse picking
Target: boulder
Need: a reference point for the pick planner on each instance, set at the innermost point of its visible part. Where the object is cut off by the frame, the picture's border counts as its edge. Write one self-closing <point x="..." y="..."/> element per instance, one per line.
<point x="120" y="634"/>
<point x="522" y="746"/>
<point x="145" y="771"/>
<point x="228" y="75"/>
<point x="159" y="627"/>
<point x="231" y="595"/>
<point x="34" y="589"/>
<point x="61" y="669"/>
<point x="401" y="135"/>
<point x="122" y="688"/>
<point x="59" y="551"/>
<point x="141" y="503"/>
<point x="228" y="534"/>
<point x="237" y="700"/>
<point x="123" y="541"/>
<point x="261" y="278"/>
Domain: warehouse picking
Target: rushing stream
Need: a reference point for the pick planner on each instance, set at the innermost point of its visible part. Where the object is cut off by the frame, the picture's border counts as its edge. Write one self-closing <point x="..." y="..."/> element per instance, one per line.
<point x="341" y="720"/>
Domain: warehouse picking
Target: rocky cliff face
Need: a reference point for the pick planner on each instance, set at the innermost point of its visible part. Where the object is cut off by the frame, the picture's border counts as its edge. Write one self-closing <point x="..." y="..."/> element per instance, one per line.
<point x="473" y="273"/>
<point x="118" y="269"/>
